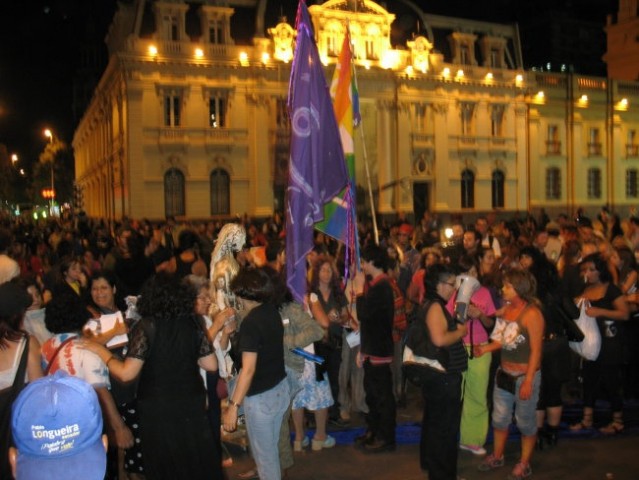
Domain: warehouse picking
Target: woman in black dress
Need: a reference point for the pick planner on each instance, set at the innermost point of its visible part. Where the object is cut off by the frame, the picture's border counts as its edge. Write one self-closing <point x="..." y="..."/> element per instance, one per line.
<point x="167" y="348"/>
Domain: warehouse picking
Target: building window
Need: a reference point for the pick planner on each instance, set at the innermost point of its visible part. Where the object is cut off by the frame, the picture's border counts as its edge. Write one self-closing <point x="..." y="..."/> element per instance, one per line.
<point x="594" y="183"/>
<point x="553" y="183"/>
<point x="371" y="51"/>
<point x="467" y="110"/>
<point x="217" y="111"/>
<point x="419" y="121"/>
<point x="497" y="188"/>
<point x="216" y="32"/>
<point x="594" y="145"/>
<point x="497" y="120"/>
<point x="174" y="193"/>
<point x="467" y="189"/>
<point x="282" y="114"/>
<point x="333" y="37"/>
<point x="220" y="192"/>
<point x="464" y="54"/>
<point x="632" y="149"/>
<point x="172" y="110"/>
<point x="631" y="183"/>
<point x="553" y="145"/>
<point x="171" y="28"/>
<point x="495" y="57"/>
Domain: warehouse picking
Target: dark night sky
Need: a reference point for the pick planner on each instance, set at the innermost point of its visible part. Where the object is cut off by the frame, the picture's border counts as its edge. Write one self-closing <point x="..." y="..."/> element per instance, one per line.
<point x="40" y="50"/>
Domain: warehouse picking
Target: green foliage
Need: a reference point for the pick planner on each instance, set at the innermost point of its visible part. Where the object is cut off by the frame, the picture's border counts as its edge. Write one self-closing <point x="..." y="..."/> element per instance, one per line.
<point x="61" y="155"/>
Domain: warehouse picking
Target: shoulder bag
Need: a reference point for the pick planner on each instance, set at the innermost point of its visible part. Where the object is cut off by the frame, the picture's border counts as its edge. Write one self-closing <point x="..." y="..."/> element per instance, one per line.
<point x="7" y="397"/>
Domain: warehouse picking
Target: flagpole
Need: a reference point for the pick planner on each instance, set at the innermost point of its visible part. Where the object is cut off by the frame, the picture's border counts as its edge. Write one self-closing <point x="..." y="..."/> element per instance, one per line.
<point x="368" y="173"/>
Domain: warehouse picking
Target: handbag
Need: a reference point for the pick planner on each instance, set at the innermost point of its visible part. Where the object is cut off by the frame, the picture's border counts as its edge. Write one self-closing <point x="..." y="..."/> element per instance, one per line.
<point x="590" y="346"/>
<point x="7" y="397"/>
<point x="418" y="343"/>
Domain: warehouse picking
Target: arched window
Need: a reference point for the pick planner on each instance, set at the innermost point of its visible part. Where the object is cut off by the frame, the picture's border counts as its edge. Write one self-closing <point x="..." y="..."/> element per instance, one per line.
<point x="467" y="189"/>
<point x="553" y="183"/>
<point x="497" y="188"/>
<point x="174" y="193"/>
<point x="220" y="192"/>
<point x="594" y="183"/>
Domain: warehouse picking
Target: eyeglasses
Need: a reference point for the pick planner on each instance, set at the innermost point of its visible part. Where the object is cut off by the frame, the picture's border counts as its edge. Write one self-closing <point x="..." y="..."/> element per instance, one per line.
<point x="452" y="284"/>
<point x="204" y="298"/>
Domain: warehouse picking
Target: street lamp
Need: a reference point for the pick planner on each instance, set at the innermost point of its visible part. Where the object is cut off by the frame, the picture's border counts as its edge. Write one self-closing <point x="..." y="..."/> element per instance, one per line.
<point x="14" y="159"/>
<point x="49" y="134"/>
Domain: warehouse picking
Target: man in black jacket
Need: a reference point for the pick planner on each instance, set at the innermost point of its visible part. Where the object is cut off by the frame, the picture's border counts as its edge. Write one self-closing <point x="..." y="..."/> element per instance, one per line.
<point x="375" y="310"/>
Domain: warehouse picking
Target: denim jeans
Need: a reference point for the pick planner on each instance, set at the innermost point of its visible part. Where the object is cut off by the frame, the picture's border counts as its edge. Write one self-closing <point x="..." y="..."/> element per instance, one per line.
<point x="264" y="413"/>
<point x="525" y="410"/>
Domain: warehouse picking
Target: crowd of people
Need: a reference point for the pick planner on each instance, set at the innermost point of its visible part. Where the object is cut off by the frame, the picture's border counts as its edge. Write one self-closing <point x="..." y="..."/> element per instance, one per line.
<point x="174" y="361"/>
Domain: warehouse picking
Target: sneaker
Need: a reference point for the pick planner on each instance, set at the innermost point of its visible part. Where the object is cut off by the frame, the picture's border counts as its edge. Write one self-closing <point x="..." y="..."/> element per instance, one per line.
<point x="521" y="471"/>
<point x="474" y="449"/>
<point x="491" y="462"/>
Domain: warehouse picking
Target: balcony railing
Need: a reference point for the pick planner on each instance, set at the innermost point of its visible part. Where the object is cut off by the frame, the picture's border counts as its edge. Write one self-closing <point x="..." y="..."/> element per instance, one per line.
<point x="594" y="149"/>
<point x="632" y="150"/>
<point x="553" y="147"/>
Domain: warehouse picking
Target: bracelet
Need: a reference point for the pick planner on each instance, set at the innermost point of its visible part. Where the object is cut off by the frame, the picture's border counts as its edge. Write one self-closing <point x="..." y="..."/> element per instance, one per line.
<point x="235" y="404"/>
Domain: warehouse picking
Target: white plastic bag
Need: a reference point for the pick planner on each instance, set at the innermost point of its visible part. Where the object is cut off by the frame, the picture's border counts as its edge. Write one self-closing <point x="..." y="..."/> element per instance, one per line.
<point x="589" y="347"/>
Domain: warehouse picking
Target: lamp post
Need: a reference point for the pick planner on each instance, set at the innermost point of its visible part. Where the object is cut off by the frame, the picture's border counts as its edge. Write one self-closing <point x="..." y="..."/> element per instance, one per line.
<point x="49" y="134"/>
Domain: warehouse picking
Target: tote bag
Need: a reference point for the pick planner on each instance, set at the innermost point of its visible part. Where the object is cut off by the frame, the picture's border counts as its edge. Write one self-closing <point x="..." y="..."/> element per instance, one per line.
<point x="589" y="347"/>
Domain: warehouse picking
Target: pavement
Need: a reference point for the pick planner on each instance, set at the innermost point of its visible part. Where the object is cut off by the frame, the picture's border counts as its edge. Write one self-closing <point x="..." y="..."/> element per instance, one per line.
<point x="584" y="456"/>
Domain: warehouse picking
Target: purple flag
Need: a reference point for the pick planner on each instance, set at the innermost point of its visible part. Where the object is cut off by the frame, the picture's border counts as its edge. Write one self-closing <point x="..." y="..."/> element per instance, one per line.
<point x="317" y="171"/>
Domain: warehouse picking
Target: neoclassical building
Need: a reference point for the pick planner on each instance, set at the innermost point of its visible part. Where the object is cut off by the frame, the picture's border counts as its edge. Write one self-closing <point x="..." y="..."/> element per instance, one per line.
<point x="187" y="121"/>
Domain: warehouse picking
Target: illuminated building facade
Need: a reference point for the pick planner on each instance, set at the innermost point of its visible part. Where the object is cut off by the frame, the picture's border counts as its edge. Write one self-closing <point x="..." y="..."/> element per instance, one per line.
<point x="196" y="125"/>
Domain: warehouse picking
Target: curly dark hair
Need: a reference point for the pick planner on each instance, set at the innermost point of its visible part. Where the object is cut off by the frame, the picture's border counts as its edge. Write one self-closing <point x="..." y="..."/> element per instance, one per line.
<point x="66" y="313"/>
<point x="336" y="283"/>
<point x="164" y="297"/>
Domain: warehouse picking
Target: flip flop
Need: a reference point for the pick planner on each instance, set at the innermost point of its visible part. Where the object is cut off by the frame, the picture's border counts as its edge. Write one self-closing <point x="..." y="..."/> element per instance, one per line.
<point x="249" y="475"/>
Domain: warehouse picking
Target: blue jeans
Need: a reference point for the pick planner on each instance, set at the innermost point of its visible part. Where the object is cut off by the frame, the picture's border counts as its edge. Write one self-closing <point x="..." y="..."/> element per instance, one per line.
<point x="525" y="410"/>
<point x="264" y="413"/>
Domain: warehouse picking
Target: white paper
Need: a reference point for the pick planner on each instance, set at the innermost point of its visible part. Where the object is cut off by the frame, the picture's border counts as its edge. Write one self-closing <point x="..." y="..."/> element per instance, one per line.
<point x="107" y="322"/>
<point x="353" y="339"/>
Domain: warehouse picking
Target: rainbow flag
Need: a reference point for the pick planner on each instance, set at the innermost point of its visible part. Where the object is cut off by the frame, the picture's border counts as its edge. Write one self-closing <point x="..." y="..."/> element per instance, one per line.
<point x="340" y="221"/>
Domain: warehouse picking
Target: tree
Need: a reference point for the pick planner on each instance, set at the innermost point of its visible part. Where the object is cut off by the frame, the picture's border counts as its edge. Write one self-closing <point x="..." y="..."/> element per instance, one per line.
<point x="60" y="155"/>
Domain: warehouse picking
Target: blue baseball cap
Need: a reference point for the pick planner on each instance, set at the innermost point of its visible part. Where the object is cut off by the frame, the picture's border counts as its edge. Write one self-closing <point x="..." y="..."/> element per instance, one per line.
<point x="57" y="429"/>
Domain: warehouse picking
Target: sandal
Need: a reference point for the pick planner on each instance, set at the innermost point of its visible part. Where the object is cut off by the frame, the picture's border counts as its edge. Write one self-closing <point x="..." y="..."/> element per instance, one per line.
<point x="613" y="428"/>
<point x="249" y="475"/>
<point x="584" y="424"/>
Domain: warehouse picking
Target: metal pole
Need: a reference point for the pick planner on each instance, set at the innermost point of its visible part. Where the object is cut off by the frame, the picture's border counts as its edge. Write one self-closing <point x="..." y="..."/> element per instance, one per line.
<point x="368" y="175"/>
<point x="52" y="188"/>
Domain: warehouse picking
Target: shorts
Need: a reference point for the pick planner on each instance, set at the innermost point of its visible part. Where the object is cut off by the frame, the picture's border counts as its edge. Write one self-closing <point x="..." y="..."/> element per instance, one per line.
<point x="525" y="410"/>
